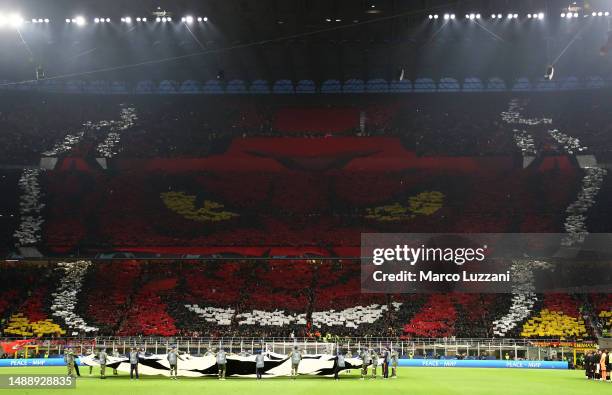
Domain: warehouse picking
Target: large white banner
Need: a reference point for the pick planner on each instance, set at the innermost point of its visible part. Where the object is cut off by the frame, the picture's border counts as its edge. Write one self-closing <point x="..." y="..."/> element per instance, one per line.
<point x="238" y="366"/>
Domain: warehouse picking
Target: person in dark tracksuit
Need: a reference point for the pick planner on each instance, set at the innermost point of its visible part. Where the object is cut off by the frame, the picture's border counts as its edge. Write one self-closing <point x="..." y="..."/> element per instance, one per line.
<point x="339" y="364"/>
<point x="386" y="361"/>
<point x="259" y="364"/>
<point x="134" y="358"/>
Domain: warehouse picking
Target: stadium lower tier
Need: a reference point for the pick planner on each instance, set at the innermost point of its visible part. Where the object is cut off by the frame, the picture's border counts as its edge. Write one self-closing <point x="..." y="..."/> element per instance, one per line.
<point x="269" y="298"/>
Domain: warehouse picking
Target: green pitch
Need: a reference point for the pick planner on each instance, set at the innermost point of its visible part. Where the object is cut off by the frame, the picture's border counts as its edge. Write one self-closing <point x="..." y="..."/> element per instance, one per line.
<point x="412" y="381"/>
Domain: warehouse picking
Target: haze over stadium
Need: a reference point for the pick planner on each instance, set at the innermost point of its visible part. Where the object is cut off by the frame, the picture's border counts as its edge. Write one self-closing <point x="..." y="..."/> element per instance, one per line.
<point x="218" y="192"/>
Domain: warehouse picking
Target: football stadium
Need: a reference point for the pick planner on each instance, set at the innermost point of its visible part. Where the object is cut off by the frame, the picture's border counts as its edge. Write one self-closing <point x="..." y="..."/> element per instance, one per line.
<point x="306" y="196"/>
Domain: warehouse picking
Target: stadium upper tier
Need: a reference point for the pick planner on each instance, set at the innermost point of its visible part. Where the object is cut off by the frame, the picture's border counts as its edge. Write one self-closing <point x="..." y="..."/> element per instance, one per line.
<point x="165" y="174"/>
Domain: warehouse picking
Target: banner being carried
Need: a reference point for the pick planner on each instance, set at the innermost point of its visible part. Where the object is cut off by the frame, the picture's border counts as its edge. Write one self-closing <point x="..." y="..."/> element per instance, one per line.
<point x="275" y="365"/>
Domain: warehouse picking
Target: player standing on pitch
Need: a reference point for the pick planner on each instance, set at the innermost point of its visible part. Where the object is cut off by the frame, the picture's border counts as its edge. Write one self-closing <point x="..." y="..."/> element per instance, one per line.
<point x="365" y="361"/>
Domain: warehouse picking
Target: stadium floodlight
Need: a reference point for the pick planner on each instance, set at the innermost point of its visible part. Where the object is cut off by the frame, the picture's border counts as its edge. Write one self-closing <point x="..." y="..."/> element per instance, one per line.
<point x="68" y="20"/>
<point x="593" y="13"/>
<point x="34" y="20"/>
<point x="15" y="20"/>
<point x="127" y="19"/>
<point x="477" y="16"/>
<point x="40" y="20"/>
<point x="205" y="19"/>
<point x="607" y="13"/>
<point x="446" y="16"/>
<point x="575" y="15"/>
<point x="144" y="19"/>
<point x="47" y="20"/>
<point x="452" y="16"/>
<point x="436" y="16"/>
<point x="199" y="19"/>
<point x="540" y="15"/>
<point x="169" y="19"/>
<point x="528" y="16"/>
<point x="430" y="16"/>
<point x="515" y="16"/>
<point x="79" y="20"/>
<point x="164" y="19"/>
<point x="138" y="19"/>
<point x="96" y="20"/>
<point x="158" y="19"/>
<point x="108" y="20"/>
<point x="472" y="16"/>
<point x="189" y="19"/>
<point x="563" y="15"/>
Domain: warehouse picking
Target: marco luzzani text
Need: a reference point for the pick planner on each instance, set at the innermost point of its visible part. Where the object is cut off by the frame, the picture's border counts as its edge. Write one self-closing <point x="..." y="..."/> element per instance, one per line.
<point x="413" y="256"/>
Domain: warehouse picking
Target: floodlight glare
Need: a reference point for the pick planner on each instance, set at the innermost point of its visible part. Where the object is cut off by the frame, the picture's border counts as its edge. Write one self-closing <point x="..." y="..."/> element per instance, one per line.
<point x="46" y="20"/>
<point x="430" y="16"/>
<point x="606" y="13"/>
<point x="529" y="16"/>
<point x="158" y="19"/>
<point x="16" y="20"/>
<point x="541" y="15"/>
<point x="79" y="20"/>
<point x="144" y="19"/>
<point x="477" y="16"/>
<point x="199" y="19"/>
<point x="206" y="18"/>
<point x="452" y="16"/>
<point x="96" y="20"/>
<point x="107" y="19"/>
<point x="446" y="16"/>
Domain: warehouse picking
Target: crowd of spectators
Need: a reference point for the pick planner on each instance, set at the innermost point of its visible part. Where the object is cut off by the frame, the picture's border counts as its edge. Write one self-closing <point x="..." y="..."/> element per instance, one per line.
<point x="129" y="298"/>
